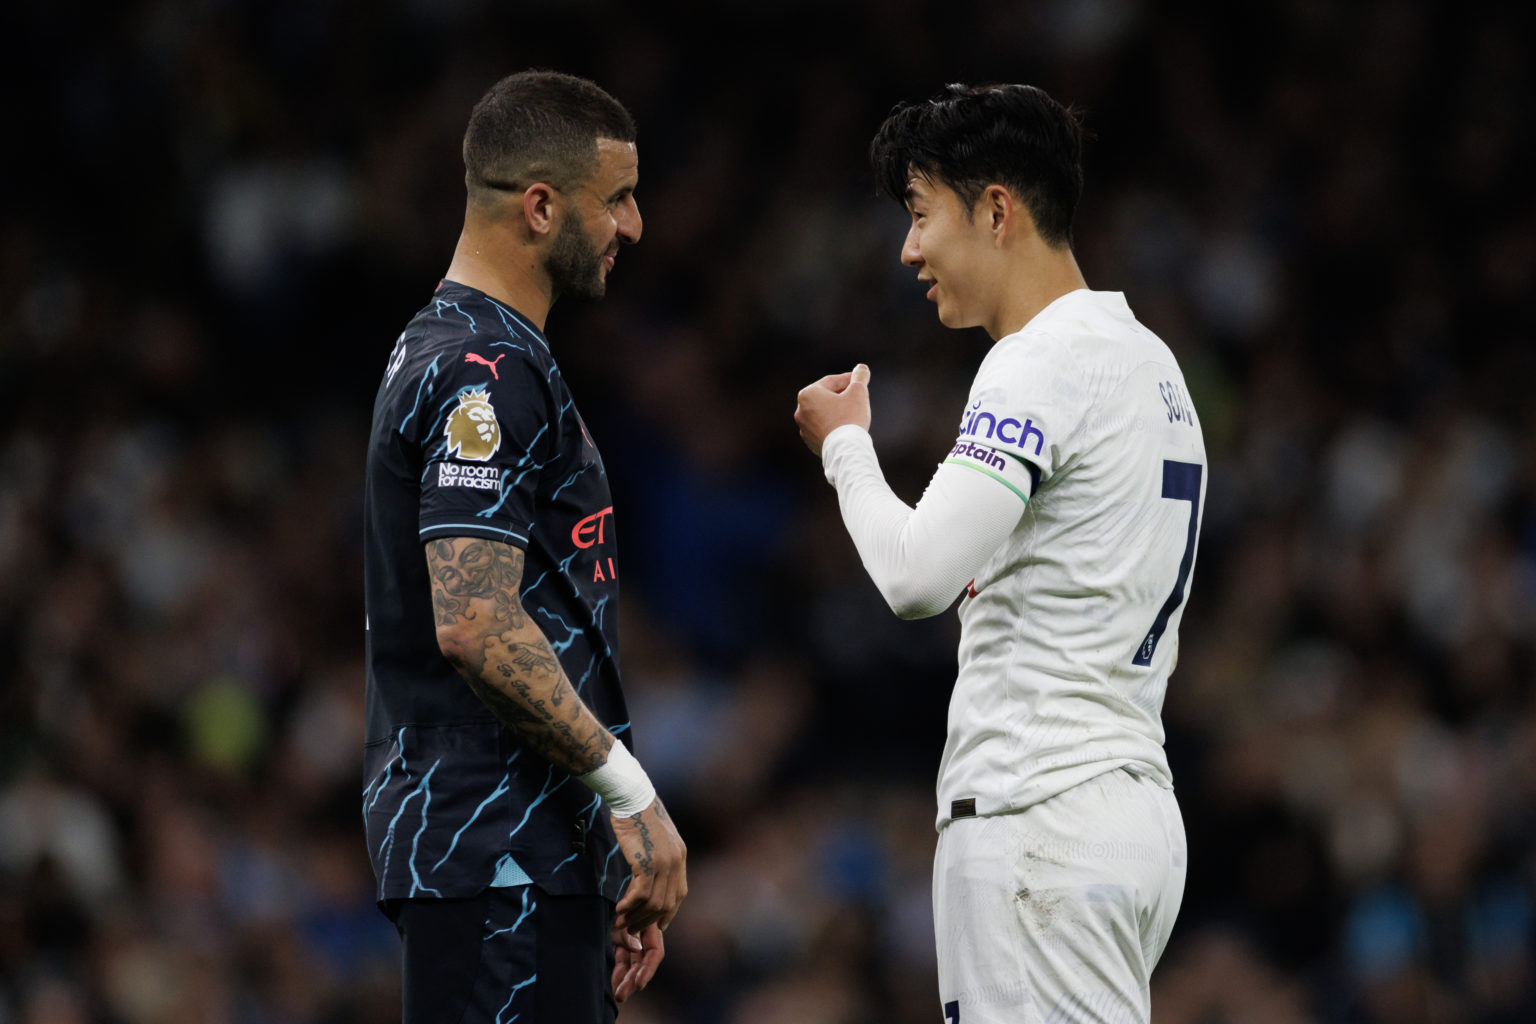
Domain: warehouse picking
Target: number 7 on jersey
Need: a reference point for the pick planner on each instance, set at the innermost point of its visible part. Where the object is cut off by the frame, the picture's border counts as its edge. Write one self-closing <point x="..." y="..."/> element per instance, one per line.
<point x="1181" y="482"/>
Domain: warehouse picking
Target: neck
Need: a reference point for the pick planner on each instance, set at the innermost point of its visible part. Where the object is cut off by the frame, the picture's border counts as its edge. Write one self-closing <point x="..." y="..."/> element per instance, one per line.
<point x="510" y="273"/>
<point x="1038" y="278"/>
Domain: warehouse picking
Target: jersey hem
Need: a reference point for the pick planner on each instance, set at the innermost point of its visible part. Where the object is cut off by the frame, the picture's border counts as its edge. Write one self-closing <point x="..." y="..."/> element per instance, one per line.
<point x="1135" y="765"/>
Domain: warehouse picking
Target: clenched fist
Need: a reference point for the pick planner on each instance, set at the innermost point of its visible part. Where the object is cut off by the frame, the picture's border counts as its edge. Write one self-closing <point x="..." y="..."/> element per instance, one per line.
<point x="832" y="402"/>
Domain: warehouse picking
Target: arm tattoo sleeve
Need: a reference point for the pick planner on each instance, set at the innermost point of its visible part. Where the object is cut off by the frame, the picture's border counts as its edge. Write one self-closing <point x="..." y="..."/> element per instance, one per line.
<point x="505" y="657"/>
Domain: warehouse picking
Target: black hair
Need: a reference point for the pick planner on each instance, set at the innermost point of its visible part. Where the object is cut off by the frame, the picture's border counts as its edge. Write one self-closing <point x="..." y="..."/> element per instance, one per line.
<point x="537" y="126"/>
<point x="970" y="137"/>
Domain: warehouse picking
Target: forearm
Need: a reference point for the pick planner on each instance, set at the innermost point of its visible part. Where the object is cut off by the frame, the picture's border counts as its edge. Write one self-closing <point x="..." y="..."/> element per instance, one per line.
<point x="516" y="673"/>
<point x="507" y="660"/>
<point x="880" y="525"/>
<point x="919" y="558"/>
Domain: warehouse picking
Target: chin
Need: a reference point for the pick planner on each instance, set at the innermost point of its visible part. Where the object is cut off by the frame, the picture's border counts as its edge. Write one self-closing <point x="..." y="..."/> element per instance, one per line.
<point x="592" y="289"/>
<point x="957" y="319"/>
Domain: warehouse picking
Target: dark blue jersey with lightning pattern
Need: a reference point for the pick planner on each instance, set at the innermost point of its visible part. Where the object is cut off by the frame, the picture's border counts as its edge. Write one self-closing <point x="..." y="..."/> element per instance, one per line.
<point x="475" y="434"/>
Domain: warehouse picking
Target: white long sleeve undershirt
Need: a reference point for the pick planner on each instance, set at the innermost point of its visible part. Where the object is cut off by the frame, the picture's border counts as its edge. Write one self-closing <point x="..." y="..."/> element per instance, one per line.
<point x="920" y="558"/>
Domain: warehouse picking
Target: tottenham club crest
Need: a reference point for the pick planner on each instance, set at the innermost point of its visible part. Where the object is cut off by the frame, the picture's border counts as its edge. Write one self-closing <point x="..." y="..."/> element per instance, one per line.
<point x="472" y="430"/>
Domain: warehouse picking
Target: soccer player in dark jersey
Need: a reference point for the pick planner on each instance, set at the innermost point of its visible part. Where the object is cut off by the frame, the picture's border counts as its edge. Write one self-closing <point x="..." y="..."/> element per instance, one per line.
<point x="519" y="848"/>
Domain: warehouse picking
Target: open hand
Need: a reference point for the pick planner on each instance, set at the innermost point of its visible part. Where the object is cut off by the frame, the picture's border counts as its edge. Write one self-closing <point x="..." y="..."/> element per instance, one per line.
<point x="635" y="959"/>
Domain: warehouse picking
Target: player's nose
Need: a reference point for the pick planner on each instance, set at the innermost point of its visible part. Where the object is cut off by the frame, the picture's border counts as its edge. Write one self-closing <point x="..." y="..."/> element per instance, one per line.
<point x="911" y="253"/>
<point x="630" y="224"/>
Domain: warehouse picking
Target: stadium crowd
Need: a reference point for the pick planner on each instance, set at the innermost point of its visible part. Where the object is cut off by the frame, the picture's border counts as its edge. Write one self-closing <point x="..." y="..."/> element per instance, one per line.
<point x="219" y="215"/>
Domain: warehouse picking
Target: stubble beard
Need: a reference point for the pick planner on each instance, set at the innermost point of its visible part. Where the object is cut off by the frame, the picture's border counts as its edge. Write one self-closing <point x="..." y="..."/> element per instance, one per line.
<point x="574" y="264"/>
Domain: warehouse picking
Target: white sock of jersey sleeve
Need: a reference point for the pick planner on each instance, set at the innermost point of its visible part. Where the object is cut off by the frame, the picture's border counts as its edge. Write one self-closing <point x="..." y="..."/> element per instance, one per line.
<point x="920" y="558"/>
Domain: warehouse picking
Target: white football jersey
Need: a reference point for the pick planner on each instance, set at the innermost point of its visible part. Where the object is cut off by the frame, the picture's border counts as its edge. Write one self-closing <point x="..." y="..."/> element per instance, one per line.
<point x="1070" y="630"/>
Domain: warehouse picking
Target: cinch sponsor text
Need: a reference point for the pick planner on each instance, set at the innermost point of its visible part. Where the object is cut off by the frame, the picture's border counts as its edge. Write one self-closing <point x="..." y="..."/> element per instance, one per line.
<point x="1008" y="431"/>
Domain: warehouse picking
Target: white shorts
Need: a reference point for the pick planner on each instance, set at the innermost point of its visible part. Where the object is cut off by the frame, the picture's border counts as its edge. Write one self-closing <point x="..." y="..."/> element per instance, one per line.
<point x="1056" y="914"/>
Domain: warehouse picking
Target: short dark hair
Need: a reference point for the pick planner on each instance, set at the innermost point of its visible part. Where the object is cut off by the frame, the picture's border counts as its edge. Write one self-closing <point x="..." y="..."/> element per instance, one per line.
<point x="536" y="126"/>
<point x="969" y="137"/>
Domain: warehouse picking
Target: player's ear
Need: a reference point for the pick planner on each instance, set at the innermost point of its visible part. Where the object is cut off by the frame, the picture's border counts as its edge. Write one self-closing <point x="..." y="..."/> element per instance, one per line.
<point x="998" y="209"/>
<point x="539" y="208"/>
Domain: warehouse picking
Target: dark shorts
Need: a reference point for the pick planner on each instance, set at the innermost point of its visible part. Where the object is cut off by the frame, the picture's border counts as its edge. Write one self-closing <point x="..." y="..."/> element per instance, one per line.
<point x="515" y="953"/>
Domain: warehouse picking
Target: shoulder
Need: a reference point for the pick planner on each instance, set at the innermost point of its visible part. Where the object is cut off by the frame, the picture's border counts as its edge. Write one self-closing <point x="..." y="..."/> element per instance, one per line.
<point x="1101" y="327"/>
<point x="457" y="382"/>
<point x="471" y="345"/>
<point x="466" y="320"/>
<point x="1087" y="334"/>
<point x="1036" y="353"/>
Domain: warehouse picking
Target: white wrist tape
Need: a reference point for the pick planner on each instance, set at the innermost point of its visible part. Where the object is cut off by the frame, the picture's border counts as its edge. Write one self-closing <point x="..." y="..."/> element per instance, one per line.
<point x="621" y="782"/>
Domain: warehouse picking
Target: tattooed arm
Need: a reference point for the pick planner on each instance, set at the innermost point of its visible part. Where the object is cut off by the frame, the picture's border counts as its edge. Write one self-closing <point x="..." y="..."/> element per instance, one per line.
<point x="485" y="634"/>
<point x="505" y="657"/>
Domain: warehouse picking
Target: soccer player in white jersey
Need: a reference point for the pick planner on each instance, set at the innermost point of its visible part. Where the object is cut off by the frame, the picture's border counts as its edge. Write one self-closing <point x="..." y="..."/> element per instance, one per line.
<point x="1066" y="514"/>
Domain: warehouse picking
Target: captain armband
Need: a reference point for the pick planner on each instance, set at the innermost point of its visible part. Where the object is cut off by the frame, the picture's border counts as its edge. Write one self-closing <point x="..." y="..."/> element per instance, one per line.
<point x="621" y="782"/>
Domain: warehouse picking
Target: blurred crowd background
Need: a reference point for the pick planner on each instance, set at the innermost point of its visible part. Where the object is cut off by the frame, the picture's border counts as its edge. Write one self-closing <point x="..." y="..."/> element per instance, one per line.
<point x="218" y="215"/>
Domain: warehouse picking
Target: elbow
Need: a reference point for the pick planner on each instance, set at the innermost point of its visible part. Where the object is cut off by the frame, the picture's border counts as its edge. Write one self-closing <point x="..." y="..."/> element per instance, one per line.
<point x="455" y="642"/>
<point x="917" y="610"/>
<point x="910" y="601"/>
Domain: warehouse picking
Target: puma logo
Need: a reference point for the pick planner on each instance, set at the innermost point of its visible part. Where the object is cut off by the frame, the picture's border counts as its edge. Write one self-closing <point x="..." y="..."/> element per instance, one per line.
<point x="489" y="364"/>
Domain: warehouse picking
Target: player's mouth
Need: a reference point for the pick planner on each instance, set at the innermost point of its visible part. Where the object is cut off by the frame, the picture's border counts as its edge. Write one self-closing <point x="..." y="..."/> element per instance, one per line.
<point x="610" y="258"/>
<point x="934" y="290"/>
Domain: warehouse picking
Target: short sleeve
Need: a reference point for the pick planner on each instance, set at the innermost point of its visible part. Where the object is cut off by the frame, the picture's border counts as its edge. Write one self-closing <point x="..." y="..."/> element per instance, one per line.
<point x="494" y="430"/>
<point x="1023" y="413"/>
